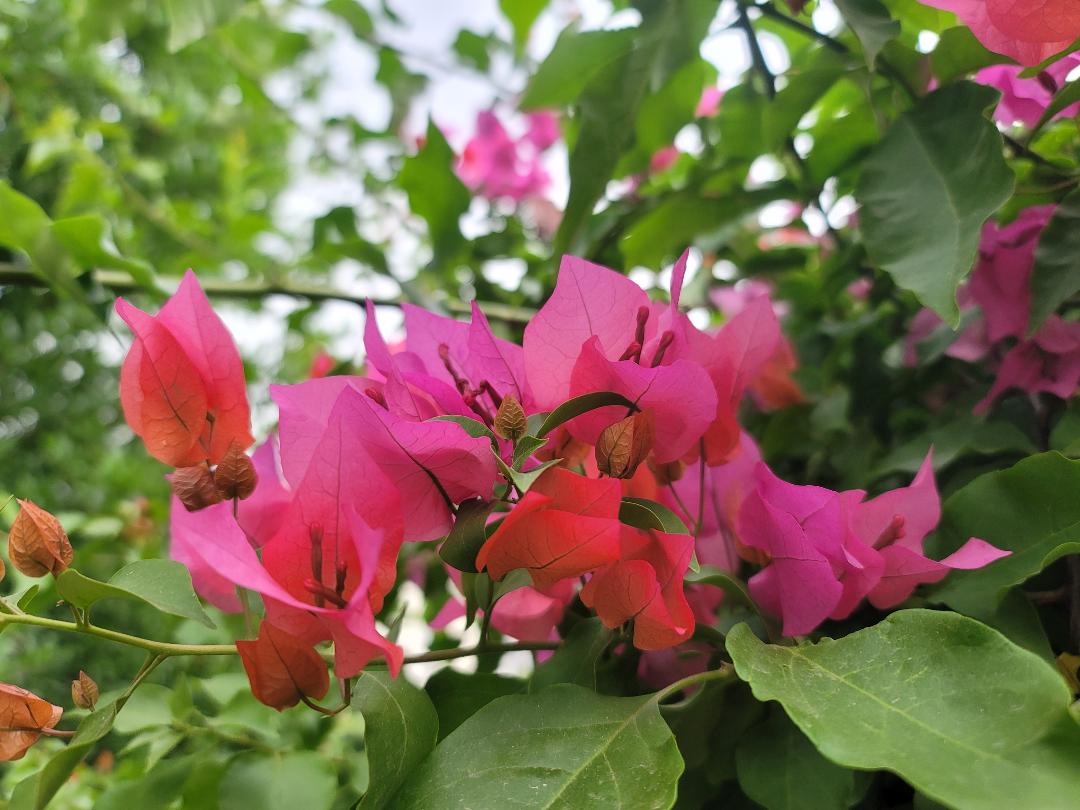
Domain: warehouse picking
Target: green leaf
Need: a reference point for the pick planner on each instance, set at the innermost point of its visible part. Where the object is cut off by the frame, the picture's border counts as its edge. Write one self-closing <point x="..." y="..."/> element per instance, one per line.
<point x="458" y="696"/>
<point x="468" y="534"/>
<point x="25" y="226"/>
<point x="473" y="48"/>
<point x="1056" y="277"/>
<point x="436" y="193"/>
<point x="565" y="747"/>
<point x="950" y="705"/>
<point x="1065" y="97"/>
<point x="927" y="189"/>
<point x="524" y="480"/>
<point x="870" y="21"/>
<point x="474" y="427"/>
<point x="781" y="770"/>
<point x="191" y="20"/>
<point x="88" y="240"/>
<point x="353" y="14"/>
<point x="959" y="53"/>
<point x="576" y="58"/>
<point x="645" y="514"/>
<point x="162" y="584"/>
<point x="799" y="95"/>
<point x="279" y="782"/>
<point x="579" y="405"/>
<point x="155" y="790"/>
<point x="1030" y="509"/>
<point x="728" y="583"/>
<point x="401" y="729"/>
<point x="577" y="660"/>
<point x="522" y="14"/>
<point x="525" y="447"/>
<point x="955" y="440"/>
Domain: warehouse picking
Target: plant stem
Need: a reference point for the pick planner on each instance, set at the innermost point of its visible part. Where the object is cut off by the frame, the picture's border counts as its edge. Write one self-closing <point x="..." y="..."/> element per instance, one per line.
<point x="161" y="650"/>
<point x="120" y="282"/>
<point x="724" y="673"/>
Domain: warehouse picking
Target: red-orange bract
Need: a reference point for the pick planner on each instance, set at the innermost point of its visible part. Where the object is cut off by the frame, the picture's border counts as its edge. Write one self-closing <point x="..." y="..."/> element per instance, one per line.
<point x="282" y="670"/>
<point x="22" y="717"/>
<point x="182" y="383"/>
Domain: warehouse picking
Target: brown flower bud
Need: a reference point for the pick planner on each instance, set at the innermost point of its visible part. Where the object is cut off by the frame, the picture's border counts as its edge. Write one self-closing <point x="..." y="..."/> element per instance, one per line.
<point x="235" y="474"/>
<point x="3" y="571"/>
<point x="195" y="487"/>
<point x="624" y="445"/>
<point x="84" y="692"/>
<point x="510" y="419"/>
<point x="667" y="473"/>
<point x="37" y="544"/>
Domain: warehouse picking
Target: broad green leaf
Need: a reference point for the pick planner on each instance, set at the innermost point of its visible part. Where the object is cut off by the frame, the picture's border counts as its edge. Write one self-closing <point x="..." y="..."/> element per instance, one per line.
<point x="401" y="729"/>
<point x="959" y="53"/>
<point x="950" y="705"/>
<point x="927" y="189"/>
<point x="663" y="113"/>
<point x="191" y="20"/>
<point x="1031" y="509"/>
<point x="956" y="440"/>
<point x="565" y="747"/>
<point x="162" y="584"/>
<point x="576" y="58"/>
<point x="578" y="658"/>
<point x="645" y="514"/>
<point x="468" y="534"/>
<point x="781" y="770"/>
<point x="1056" y="277"/>
<point x="25" y="226"/>
<point x="579" y="405"/>
<point x="155" y="790"/>
<point x="870" y="21"/>
<point x="298" y="779"/>
<point x="436" y="193"/>
<point x="458" y="696"/>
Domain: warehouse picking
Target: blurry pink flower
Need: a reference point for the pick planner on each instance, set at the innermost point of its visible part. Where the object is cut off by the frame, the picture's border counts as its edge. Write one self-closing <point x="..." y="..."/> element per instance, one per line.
<point x="321" y="364"/>
<point x="663" y="159"/>
<point x="543" y="129"/>
<point x="1049" y="362"/>
<point x="1025" y="100"/>
<point x="493" y="165"/>
<point x="860" y="288"/>
<point x="1027" y="31"/>
<point x="709" y="103"/>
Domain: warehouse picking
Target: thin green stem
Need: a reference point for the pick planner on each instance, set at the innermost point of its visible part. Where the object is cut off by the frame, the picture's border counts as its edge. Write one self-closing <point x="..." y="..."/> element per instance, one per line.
<point x="724" y="673"/>
<point x="481" y="649"/>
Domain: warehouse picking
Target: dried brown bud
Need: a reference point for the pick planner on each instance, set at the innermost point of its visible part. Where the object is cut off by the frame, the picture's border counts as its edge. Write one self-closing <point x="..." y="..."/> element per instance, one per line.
<point x="510" y="419"/>
<point x="84" y="692"/>
<point x="195" y="487"/>
<point x="235" y="474"/>
<point x="37" y="544"/>
<point x="666" y="473"/>
<point x="3" y="571"/>
<point x="624" y="445"/>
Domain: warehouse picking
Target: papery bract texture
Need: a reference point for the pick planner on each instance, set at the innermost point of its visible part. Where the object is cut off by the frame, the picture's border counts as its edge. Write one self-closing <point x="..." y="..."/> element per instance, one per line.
<point x="1028" y="31"/>
<point x="282" y="670"/>
<point x="22" y="716"/>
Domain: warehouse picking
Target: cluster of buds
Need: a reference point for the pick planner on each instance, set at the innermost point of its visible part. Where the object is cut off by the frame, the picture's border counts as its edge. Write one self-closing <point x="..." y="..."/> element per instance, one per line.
<point x="200" y="485"/>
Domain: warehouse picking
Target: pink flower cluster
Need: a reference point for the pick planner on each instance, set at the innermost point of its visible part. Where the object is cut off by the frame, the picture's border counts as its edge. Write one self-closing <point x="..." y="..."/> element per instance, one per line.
<point x="497" y="166"/>
<point x="1025" y="100"/>
<point x="1029" y="31"/>
<point x="998" y="295"/>
<point x="360" y="465"/>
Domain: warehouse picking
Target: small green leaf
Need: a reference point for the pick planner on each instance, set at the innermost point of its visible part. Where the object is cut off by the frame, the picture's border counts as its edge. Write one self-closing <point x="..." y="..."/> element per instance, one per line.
<point x="473" y="48"/>
<point x="1056" y="277"/>
<point x="578" y="658"/>
<point x="191" y="20"/>
<point x="728" y="583"/>
<point x="950" y="705"/>
<point x="781" y="770"/>
<point x="155" y="790"/>
<point x="525" y="447"/>
<point x="576" y="58"/>
<point x="1030" y="509"/>
<point x="522" y="14"/>
<point x="959" y="53"/>
<point x="353" y="14"/>
<point x="162" y="584"/>
<point x="928" y="187"/>
<point x="870" y="21"/>
<point x="524" y="480"/>
<point x="401" y="729"/>
<point x="566" y="747"/>
<point x="1066" y="97"/>
<point x="579" y="405"/>
<point x="468" y="534"/>
<point x="645" y="514"/>
<point x="474" y="427"/>
<point x="88" y="240"/>
<point x="435" y="192"/>
<point x="458" y="696"/>
<point x="279" y="782"/>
